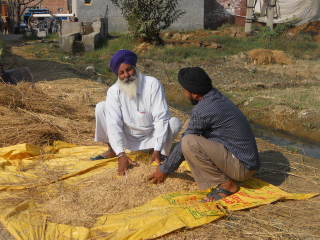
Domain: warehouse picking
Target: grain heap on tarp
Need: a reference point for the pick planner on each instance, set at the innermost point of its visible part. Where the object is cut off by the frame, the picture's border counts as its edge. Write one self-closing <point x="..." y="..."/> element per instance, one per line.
<point x="59" y="184"/>
<point x="58" y="193"/>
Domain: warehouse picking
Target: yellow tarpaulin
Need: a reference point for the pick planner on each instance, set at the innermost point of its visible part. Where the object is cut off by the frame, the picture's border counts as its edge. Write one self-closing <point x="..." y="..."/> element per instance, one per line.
<point x="160" y="216"/>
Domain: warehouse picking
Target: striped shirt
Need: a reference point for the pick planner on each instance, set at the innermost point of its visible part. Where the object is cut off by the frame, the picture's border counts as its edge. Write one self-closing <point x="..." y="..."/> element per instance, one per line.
<point x="216" y="118"/>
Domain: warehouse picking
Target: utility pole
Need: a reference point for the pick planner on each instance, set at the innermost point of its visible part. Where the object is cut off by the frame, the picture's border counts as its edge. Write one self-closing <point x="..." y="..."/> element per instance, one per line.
<point x="270" y="13"/>
<point x="249" y="16"/>
<point x="75" y="7"/>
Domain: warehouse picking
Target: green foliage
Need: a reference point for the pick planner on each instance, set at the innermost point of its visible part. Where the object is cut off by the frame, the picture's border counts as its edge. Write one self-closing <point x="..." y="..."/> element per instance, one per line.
<point x="147" y="18"/>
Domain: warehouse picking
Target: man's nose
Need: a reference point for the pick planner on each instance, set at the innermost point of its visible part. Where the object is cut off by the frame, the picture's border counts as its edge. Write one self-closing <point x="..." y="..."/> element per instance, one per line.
<point x="126" y="75"/>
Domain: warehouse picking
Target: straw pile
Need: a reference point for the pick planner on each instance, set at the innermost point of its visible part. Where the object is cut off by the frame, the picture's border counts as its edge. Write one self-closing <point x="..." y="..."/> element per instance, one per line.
<point x="64" y="109"/>
<point x="81" y="204"/>
<point x="29" y="115"/>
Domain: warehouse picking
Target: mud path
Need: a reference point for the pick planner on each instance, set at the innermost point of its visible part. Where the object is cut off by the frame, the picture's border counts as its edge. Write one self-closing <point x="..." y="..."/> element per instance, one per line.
<point x="20" y="54"/>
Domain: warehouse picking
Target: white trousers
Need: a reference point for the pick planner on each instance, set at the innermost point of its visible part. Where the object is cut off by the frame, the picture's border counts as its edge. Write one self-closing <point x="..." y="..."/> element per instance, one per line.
<point x="101" y="133"/>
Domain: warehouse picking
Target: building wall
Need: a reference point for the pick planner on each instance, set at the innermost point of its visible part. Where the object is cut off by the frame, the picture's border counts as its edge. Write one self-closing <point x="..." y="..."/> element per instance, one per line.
<point x="192" y="19"/>
<point x="56" y="6"/>
<point x="3" y="8"/>
<point x="218" y="12"/>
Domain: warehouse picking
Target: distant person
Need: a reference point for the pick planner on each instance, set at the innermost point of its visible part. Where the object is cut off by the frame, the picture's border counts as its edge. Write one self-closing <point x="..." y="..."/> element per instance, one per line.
<point x="1" y="24"/>
<point x="4" y="25"/>
<point x="74" y="18"/>
<point x="135" y="115"/>
<point x="218" y="144"/>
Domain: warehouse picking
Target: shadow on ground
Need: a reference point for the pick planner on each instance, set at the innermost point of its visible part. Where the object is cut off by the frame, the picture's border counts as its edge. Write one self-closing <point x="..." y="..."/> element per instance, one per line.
<point x="274" y="167"/>
<point x="42" y="70"/>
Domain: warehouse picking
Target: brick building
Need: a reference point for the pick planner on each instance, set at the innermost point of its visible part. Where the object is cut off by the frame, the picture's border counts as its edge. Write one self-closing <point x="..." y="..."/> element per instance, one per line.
<point x="56" y="6"/>
<point x="3" y="8"/>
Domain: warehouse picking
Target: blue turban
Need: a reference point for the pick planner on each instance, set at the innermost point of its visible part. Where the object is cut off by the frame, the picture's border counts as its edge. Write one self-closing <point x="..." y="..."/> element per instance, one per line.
<point x="122" y="56"/>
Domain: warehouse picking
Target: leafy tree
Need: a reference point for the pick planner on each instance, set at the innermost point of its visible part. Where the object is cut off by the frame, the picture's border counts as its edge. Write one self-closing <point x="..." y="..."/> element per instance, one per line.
<point x="146" y="18"/>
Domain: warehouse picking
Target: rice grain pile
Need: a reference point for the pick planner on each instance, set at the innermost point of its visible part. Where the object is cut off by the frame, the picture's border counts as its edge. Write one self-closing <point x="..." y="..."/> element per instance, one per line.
<point x="64" y="110"/>
<point x="82" y="204"/>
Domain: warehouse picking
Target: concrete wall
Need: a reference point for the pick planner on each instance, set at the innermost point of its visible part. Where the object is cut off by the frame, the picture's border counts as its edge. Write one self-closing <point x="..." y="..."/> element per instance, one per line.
<point x="70" y="28"/>
<point x="192" y="19"/>
<point x="101" y="9"/>
<point x="199" y="14"/>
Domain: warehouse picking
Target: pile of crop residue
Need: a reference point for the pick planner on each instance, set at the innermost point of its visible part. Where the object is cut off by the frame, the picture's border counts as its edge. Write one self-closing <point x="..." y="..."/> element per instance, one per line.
<point x="82" y="204"/>
<point x="267" y="56"/>
<point x="64" y="110"/>
<point x="312" y="28"/>
<point x="29" y="115"/>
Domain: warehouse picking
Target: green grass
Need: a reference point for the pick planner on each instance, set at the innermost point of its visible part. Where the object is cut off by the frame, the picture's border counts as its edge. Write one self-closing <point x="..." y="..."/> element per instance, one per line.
<point x="263" y="38"/>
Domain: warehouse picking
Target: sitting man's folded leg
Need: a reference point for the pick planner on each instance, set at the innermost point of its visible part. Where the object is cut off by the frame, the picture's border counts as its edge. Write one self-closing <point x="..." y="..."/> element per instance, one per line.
<point x="174" y="128"/>
<point x="213" y="165"/>
<point x="101" y="131"/>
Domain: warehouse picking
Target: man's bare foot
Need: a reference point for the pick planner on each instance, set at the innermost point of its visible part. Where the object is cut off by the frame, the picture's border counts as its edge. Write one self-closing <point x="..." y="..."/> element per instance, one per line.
<point x="222" y="190"/>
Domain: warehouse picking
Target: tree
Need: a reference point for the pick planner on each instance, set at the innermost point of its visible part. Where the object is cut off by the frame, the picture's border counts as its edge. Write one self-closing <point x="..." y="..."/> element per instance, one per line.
<point x="147" y="18"/>
<point x="18" y="7"/>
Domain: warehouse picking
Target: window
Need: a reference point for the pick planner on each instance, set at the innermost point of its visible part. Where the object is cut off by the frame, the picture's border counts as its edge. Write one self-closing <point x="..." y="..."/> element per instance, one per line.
<point x="88" y="2"/>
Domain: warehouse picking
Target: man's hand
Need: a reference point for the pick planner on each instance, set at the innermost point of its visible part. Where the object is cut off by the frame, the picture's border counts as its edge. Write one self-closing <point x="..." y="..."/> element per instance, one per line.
<point x="156" y="157"/>
<point x="157" y="176"/>
<point x="124" y="163"/>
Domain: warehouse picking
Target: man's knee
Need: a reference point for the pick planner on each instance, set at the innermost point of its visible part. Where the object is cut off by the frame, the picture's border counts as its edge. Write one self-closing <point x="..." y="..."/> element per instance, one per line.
<point x="188" y="142"/>
<point x="100" y="108"/>
<point x="175" y="125"/>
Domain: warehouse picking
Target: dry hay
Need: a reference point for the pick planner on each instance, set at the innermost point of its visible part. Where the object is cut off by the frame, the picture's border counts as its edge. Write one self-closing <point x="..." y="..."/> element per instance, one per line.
<point x="28" y="115"/>
<point x="312" y="28"/>
<point x="81" y="204"/>
<point x="267" y="56"/>
<point x="232" y="31"/>
<point x="28" y="97"/>
<point x="143" y="47"/>
<point x="196" y="39"/>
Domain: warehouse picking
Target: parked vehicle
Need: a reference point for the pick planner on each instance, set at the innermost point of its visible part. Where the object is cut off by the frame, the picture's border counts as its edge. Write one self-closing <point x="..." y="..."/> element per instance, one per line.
<point x="31" y="11"/>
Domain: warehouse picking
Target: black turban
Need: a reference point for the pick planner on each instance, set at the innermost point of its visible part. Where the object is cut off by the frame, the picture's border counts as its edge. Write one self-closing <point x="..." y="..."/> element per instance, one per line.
<point x="195" y="80"/>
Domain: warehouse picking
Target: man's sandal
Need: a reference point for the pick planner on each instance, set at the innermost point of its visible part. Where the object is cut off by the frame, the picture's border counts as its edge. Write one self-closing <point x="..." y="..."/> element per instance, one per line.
<point x="105" y="155"/>
<point x="215" y="193"/>
<point x="98" y="157"/>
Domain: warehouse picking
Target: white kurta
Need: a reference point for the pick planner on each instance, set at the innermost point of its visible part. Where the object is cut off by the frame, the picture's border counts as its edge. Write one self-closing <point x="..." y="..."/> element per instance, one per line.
<point x="141" y="123"/>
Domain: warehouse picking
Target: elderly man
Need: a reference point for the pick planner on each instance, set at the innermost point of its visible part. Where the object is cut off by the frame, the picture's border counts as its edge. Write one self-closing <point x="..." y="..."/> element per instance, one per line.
<point x="218" y="144"/>
<point x="135" y="115"/>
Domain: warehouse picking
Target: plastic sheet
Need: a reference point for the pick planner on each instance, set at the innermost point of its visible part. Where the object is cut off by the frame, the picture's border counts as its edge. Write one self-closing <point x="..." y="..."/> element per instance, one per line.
<point x="157" y="217"/>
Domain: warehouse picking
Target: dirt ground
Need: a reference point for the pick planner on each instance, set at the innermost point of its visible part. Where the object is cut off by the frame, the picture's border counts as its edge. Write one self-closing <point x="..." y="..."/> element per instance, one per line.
<point x="292" y="172"/>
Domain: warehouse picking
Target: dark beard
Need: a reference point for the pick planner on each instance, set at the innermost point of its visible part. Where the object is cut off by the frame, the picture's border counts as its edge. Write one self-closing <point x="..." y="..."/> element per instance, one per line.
<point x="193" y="101"/>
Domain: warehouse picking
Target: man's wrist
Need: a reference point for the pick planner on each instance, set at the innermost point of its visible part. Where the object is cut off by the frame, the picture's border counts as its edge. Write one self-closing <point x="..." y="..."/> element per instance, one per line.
<point x="163" y="170"/>
<point x="158" y="153"/>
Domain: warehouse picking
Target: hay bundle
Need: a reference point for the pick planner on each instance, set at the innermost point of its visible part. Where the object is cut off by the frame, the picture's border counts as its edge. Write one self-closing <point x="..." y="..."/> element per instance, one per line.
<point x="267" y="56"/>
<point x="27" y="96"/>
<point x="28" y="115"/>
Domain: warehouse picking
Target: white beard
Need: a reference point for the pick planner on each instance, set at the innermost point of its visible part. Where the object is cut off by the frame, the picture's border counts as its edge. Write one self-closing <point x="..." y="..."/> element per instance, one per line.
<point x="130" y="88"/>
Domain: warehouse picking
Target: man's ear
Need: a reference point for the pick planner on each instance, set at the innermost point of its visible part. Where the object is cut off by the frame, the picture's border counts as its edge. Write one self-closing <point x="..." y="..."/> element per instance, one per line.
<point x="196" y="96"/>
